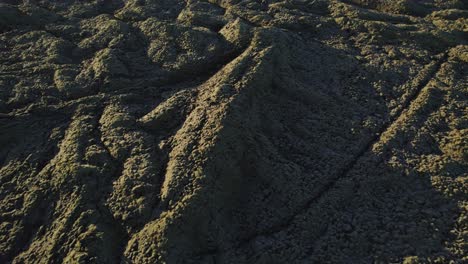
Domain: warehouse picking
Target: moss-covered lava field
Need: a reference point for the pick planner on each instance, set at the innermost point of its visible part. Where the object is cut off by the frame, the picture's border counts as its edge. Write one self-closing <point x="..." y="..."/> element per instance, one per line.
<point x="234" y="131"/>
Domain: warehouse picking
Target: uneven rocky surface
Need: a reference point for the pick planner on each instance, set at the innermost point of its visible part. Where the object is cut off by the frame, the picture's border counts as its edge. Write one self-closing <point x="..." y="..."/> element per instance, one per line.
<point x="234" y="131"/>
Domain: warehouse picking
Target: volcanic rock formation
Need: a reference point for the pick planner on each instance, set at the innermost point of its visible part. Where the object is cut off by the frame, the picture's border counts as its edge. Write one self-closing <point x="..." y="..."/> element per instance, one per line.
<point x="234" y="131"/>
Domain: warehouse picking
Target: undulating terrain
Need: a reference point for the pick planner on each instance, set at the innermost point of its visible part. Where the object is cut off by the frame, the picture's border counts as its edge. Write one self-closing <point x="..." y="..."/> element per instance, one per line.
<point x="234" y="131"/>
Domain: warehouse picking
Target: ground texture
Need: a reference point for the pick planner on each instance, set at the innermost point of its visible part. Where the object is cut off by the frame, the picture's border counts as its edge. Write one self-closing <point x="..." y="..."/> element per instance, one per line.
<point x="234" y="131"/>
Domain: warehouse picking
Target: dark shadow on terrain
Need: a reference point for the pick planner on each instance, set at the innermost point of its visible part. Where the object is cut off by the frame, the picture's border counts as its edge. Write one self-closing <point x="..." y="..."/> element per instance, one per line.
<point x="390" y="214"/>
<point x="28" y="142"/>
